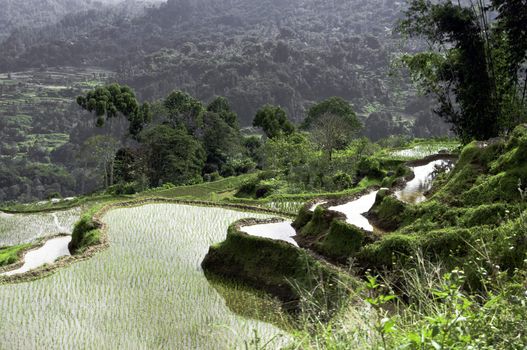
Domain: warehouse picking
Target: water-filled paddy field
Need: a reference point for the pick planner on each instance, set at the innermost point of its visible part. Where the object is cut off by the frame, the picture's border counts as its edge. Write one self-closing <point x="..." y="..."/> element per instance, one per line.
<point x="146" y="291"/>
<point x="23" y="228"/>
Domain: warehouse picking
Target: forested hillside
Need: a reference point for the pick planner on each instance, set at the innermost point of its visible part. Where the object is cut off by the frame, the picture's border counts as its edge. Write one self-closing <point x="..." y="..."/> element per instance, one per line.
<point x="290" y="53"/>
<point x="40" y="13"/>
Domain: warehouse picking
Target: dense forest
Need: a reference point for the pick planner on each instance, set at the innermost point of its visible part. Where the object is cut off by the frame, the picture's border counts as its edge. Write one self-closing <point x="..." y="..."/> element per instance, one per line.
<point x="286" y="53"/>
<point x="289" y="54"/>
<point x="33" y="14"/>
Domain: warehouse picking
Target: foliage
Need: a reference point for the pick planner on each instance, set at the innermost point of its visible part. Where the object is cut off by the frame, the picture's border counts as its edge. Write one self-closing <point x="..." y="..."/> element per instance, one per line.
<point x="273" y="121"/>
<point x="113" y="99"/>
<point x="471" y="59"/>
<point x="334" y="106"/>
<point x="184" y="111"/>
<point x="10" y="255"/>
<point x="172" y="155"/>
<point x="221" y="106"/>
<point x="233" y="49"/>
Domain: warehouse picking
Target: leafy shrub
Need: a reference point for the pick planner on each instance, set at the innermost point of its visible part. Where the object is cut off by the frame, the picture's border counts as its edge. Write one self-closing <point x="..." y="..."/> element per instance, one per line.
<point x="85" y="233"/>
<point x="342" y="181"/>
<point x="369" y="166"/>
<point x="342" y="241"/>
<point x="380" y="255"/>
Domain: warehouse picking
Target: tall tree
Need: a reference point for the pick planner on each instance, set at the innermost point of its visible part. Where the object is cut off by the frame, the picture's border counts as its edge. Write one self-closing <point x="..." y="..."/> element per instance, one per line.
<point x="332" y="132"/>
<point x="273" y="121"/>
<point x="221" y="106"/>
<point x="221" y="141"/>
<point x="173" y="155"/>
<point x="472" y="64"/>
<point x="333" y="124"/>
<point x="335" y="106"/>
<point x="184" y="110"/>
<point x="100" y="150"/>
<point x="109" y="101"/>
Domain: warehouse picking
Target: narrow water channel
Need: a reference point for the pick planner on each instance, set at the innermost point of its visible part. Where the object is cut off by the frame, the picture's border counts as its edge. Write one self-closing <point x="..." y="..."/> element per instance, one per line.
<point x="414" y="191"/>
<point x="355" y="209"/>
<point x="282" y="231"/>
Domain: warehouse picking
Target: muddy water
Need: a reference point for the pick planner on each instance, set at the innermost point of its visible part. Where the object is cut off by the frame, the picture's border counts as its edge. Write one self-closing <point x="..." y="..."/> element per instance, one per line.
<point x="354" y="210"/>
<point x="47" y="254"/>
<point x="282" y="231"/>
<point x="414" y="190"/>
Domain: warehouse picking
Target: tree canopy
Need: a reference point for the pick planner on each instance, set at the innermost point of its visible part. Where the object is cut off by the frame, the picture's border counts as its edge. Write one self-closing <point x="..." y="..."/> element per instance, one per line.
<point x="172" y="155"/>
<point x="184" y="110"/>
<point x="473" y="63"/>
<point x="273" y="121"/>
<point x="336" y="106"/>
<point x="108" y="101"/>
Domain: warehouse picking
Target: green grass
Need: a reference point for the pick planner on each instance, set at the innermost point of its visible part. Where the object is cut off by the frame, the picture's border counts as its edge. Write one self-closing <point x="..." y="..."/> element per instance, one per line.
<point x="24" y="228"/>
<point x="203" y="191"/>
<point x="10" y="255"/>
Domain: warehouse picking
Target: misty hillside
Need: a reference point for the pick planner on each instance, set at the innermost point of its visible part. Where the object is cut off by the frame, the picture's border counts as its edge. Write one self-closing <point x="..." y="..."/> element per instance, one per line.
<point x="39" y="13"/>
<point x="290" y="53"/>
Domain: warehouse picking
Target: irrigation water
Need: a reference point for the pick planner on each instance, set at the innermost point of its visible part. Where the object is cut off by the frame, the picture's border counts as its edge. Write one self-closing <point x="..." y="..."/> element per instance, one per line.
<point x="146" y="291"/>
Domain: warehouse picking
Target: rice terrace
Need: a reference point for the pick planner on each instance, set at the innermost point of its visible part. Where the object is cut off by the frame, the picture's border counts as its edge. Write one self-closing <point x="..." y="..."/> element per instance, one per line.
<point x="263" y="174"/>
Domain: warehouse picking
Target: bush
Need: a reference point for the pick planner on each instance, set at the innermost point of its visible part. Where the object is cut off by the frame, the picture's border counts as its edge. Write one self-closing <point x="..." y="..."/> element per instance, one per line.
<point x="125" y="189"/>
<point x="342" y="241"/>
<point x="85" y="233"/>
<point x="387" y="212"/>
<point x="370" y="167"/>
<point x="446" y="243"/>
<point x="319" y="223"/>
<point x="380" y="255"/>
<point x="487" y="214"/>
<point x="342" y="181"/>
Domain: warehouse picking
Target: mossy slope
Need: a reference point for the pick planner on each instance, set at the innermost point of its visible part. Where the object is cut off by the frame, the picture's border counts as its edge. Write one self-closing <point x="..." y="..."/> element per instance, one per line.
<point x="479" y="206"/>
<point x="274" y="266"/>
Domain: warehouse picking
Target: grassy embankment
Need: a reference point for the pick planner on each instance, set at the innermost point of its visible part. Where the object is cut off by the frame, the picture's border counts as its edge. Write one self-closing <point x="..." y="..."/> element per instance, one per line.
<point x="12" y="255"/>
<point x="450" y="271"/>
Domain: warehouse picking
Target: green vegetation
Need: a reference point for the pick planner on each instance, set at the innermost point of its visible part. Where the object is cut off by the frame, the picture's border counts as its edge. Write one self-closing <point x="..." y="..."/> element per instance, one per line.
<point x="387" y="212"/>
<point x="446" y="273"/>
<point x="37" y="119"/>
<point x="85" y="233"/>
<point x="474" y="63"/>
<point x="343" y="240"/>
<point x="273" y="121"/>
<point x="11" y="255"/>
<point x="278" y="268"/>
<point x="473" y="225"/>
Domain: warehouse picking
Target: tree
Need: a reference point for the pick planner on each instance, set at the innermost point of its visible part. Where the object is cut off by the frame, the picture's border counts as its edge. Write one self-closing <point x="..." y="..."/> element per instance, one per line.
<point x="184" y="110"/>
<point x="221" y="106"/>
<point x="108" y="101"/>
<point x="283" y="153"/>
<point x="333" y="132"/>
<point x="220" y="140"/>
<point x="335" y="106"/>
<point x="172" y="155"/>
<point x="129" y="165"/>
<point x="101" y="150"/>
<point x="273" y="121"/>
<point x="332" y="123"/>
<point x="472" y="64"/>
